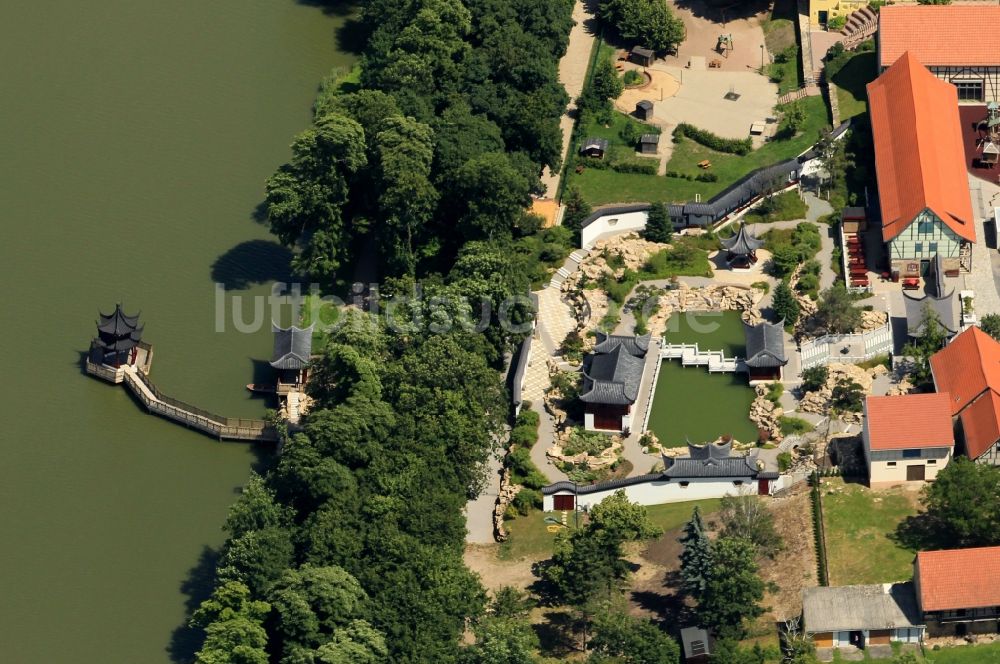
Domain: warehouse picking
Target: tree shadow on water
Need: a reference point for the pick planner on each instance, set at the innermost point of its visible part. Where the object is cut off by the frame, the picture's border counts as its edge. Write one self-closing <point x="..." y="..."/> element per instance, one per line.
<point x="186" y="640"/>
<point x="251" y="263"/>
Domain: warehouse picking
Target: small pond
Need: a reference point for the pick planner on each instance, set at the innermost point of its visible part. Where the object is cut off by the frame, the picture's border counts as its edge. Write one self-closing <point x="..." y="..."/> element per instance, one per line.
<point x="689" y="402"/>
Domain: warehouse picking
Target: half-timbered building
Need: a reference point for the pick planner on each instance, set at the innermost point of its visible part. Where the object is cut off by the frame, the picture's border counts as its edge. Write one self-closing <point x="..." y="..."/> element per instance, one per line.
<point x="948" y="40"/>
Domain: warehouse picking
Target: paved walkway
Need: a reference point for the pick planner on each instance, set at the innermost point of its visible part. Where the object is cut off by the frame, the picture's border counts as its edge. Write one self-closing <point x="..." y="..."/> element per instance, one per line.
<point x="479" y="512"/>
<point x="981" y="279"/>
<point x="572" y="74"/>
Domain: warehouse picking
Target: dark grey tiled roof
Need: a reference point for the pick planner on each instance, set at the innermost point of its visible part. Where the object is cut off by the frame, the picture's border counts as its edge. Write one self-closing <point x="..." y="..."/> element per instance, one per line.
<point x="639" y="50"/>
<point x="612" y="377"/>
<point x="703" y="461"/>
<point x="743" y="243"/>
<point x="947" y="308"/>
<point x="765" y="345"/>
<point x="844" y="608"/>
<point x="650" y="138"/>
<point x="645" y="104"/>
<point x="292" y="347"/>
<point x="595" y="143"/>
<point x="118" y="323"/>
<point x="635" y="345"/>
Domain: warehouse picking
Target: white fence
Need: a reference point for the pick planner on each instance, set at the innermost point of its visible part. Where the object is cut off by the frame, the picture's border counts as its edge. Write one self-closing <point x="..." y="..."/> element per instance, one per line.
<point x="859" y="347"/>
<point x="691" y="356"/>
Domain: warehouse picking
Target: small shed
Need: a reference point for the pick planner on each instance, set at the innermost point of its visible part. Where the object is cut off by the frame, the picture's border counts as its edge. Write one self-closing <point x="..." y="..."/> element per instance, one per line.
<point x="644" y="110"/>
<point x="697" y="645"/>
<point x="594" y="147"/>
<point x="649" y="143"/>
<point x="642" y="56"/>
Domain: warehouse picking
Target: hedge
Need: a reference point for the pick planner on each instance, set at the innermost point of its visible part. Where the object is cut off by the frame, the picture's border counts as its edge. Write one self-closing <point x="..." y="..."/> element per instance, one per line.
<point x="704" y="137"/>
<point x="817" y="511"/>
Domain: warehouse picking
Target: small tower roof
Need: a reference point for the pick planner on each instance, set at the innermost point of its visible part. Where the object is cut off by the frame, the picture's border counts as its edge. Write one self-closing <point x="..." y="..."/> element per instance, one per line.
<point x="118" y="331"/>
<point x="292" y="347"/>
<point x="743" y="243"/>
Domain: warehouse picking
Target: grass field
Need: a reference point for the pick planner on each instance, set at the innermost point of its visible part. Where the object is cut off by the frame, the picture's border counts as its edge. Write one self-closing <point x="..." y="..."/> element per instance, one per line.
<point x="985" y="654"/>
<point x="529" y="537"/>
<point x="600" y="187"/>
<point x="785" y="206"/>
<point x="859" y="523"/>
<point x="852" y="97"/>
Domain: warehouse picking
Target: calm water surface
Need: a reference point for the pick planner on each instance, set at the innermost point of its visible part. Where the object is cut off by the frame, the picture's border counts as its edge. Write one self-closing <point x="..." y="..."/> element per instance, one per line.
<point x="134" y="141"/>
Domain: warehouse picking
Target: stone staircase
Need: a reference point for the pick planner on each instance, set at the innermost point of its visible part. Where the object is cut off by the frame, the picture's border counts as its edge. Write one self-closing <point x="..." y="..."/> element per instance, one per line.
<point x="861" y="25"/>
<point x="568" y="268"/>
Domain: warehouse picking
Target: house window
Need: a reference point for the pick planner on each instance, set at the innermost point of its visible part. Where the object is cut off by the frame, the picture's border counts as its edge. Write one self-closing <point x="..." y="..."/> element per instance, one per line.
<point x="933" y="247"/>
<point x="932" y="462"/>
<point x="970" y="90"/>
<point x="918" y="247"/>
<point x="612" y="222"/>
<point x="684" y="485"/>
<point x="925" y="227"/>
<point x="911" y="454"/>
<point x="891" y="464"/>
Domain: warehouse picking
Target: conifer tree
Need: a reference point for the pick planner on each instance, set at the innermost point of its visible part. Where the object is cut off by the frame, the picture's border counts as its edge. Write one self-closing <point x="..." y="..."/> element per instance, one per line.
<point x="696" y="559"/>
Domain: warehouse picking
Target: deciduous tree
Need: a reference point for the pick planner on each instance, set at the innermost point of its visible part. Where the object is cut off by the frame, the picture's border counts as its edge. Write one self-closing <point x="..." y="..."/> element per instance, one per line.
<point x="734" y="590"/>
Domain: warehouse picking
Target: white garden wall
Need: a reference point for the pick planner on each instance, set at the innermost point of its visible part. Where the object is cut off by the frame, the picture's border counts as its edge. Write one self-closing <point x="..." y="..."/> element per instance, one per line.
<point x="612" y="224"/>
<point x="657" y="492"/>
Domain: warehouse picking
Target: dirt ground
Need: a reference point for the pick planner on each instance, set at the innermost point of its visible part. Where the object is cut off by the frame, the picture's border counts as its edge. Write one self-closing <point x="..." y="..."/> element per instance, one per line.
<point x="705" y="23"/>
<point x="495" y="573"/>
<point x="654" y="581"/>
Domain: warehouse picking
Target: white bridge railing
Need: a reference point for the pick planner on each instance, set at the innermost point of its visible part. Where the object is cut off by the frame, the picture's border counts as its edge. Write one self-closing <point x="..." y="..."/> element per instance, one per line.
<point x="859" y="347"/>
<point x="692" y="356"/>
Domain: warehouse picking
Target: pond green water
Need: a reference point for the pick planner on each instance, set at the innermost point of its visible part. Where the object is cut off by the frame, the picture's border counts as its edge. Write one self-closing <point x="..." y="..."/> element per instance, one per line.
<point x="711" y="330"/>
<point x="135" y="138"/>
<point x="691" y="403"/>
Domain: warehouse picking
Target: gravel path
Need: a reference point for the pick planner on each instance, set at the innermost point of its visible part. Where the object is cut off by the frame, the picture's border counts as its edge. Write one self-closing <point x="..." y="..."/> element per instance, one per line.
<point x="572" y="72"/>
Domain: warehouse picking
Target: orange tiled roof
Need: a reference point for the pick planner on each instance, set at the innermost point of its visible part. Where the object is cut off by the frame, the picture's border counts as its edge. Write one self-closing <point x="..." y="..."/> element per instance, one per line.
<point x="981" y="424"/>
<point x="919" y="157"/>
<point x="959" y="578"/>
<point x="967" y="367"/>
<point x="938" y="35"/>
<point x="908" y="421"/>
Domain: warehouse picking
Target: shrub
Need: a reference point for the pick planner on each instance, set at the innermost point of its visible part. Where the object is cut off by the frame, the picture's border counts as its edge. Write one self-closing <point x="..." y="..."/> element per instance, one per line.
<point x="588" y="442"/>
<point x="808" y="283"/>
<point x="523" y="471"/>
<point x="814" y="378"/>
<point x="836" y="23"/>
<point x="784" y="461"/>
<point x="642" y="167"/>
<point x="527" y="500"/>
<point x="793" y="425"/>
<point x="740" y="146"/>
<point x="774" y="392"/>
<point x="762" y="286"/>
<point x="632" y="77"/>
<point x="706" y="177"/>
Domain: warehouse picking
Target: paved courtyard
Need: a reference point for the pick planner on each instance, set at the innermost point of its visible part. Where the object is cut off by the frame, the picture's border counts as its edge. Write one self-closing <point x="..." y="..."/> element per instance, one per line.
<point x="701" y="100"/>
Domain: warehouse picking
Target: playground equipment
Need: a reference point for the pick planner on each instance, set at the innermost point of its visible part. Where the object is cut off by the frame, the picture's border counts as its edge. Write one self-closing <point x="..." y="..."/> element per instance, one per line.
<point x="988" y="141"/>
<point x="724" y="45"/>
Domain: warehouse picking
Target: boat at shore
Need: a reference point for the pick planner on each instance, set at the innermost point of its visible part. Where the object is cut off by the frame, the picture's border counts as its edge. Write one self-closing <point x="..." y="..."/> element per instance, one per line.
<point x="260" y="388"/>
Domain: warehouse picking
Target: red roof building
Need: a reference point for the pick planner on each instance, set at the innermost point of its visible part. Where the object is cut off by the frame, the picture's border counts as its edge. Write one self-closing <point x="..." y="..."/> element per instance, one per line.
<point x="907" y="438"/>
<point x="958" y="590"/>
<point x="938" y="35"/>
<point x="920" y="163"/>
<point x="968" y="371"/>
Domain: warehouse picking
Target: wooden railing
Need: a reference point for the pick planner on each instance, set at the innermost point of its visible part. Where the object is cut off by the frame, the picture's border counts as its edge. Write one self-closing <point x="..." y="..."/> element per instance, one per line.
<point x="226" y="428"/>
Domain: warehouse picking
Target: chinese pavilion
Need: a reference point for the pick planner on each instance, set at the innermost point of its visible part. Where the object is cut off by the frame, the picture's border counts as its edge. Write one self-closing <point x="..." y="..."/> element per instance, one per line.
<point x="292" y="352"/>
<point x="742" y="248"/>
<point x="611" y="377"/>
<point x="117" y="341"/>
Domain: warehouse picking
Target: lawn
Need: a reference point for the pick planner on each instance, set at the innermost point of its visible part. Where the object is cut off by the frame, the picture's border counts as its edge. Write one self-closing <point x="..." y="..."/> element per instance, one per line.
<point x="851" y="79"/>
<point x="529" y="537"/>
<point x="859" y="526"/>
<point x="988" y="653"/>
<point x="785" y="206"/>
<point x="600" y="187"/>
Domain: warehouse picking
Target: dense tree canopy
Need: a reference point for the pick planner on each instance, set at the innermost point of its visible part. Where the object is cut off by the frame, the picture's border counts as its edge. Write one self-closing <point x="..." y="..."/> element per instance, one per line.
<point x="649" y="23"/>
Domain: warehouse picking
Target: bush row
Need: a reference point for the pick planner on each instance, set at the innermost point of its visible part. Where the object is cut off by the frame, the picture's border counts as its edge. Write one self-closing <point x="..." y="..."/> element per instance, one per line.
<point x="704" y="137"/>
<point x="817" y="512"/>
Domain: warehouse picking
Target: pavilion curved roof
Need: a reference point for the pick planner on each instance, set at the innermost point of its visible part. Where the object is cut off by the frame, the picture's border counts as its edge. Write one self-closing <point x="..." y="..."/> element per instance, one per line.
<point x="743" y="243"/>
<point x="117" y="323"/>
<point x="292" y="347"/>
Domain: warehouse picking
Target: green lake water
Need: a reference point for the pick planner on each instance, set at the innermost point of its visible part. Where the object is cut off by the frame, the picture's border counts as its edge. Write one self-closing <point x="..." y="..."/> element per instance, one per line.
<point x="689" y="402"/>
<point x="135" y="138"/>
<point x="711" y="330"/>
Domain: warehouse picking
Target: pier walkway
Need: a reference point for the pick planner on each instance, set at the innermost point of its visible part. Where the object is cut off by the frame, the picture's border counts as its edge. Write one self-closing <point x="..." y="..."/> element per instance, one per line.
<point x="223" y="428"/>
<point x="690" y="355"/>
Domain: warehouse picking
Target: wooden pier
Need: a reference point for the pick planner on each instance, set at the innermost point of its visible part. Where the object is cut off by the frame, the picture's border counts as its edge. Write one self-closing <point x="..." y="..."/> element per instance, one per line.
<point x="136" y="379"/>
<point x="691" y="356"/>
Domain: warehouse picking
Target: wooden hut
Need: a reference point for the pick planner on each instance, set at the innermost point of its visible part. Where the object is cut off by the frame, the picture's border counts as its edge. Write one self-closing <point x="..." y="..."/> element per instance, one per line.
<point x="649" y="143"/>
<point x="644" y="110"/>
<point x="594" y="147"/>
<point x="642" y="56"/>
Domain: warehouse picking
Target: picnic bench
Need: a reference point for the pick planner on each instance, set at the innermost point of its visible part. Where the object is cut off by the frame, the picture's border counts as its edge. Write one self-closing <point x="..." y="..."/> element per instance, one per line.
<point x="705" y="164"/>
